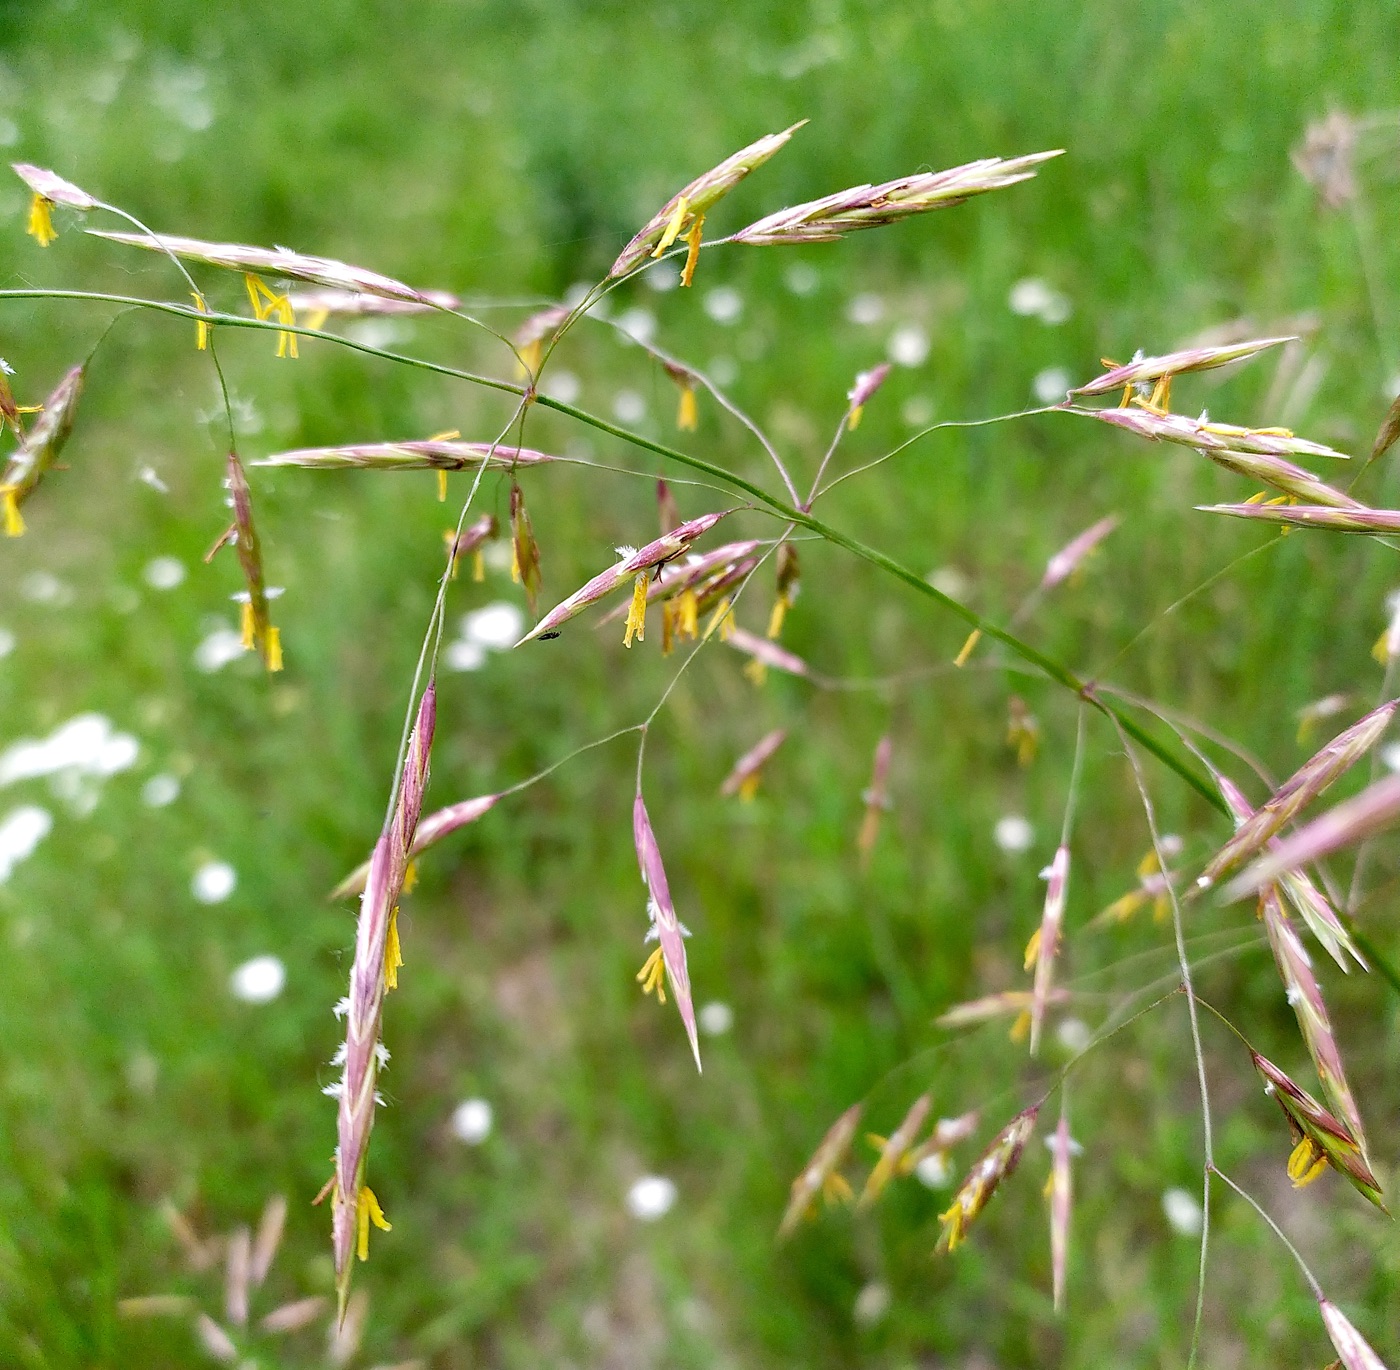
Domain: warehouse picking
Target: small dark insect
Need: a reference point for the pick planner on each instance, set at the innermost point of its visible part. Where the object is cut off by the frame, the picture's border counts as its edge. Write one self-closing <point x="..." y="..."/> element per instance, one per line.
<point x="545" y="637"/>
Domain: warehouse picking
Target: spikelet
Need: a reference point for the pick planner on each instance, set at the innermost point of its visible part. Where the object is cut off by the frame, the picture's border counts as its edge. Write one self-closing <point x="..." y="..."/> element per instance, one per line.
<point x="995" y="1164"/>
<point x="39" y="449"/>
<point x="744" y="778"/>
<point x="1208" y="437"/>
<point x="628" y="567"/>
<point x="1348" y="520"/>
<point x="1069" y="558"/>
<point x="685" y="211"/>
<point x="1298" y="888"/>
<point x="1375" y="809"/>
<point x="277" y="262"/>
<point x="1355" y="1351"/>
<point x="525" y="551"/>
<point x="1305" y="995"/>
<point x="430" y="830"/>
<point x="1320" y="1139"/>
<point x="1299" y="790"/>
<point x="859" y="395"/>
<point x="258" y="630"/>
<point x="469" y="543"/>
<point x="1147" y="370"/>
<point x="766" y="653"/>
<point x="49" y="189"/>
<point x="1002" y="1004"/>
<point x="873" y="206"/>
<point x="821" y="1175"/>
<point x="1045" y="943"/>
<point x="353" y="1204"/>
<point x="666" y="929"/>
<point x="429" y="455"/>
<point x="1060" y="1192"/>
<point x="893" y="1151"/>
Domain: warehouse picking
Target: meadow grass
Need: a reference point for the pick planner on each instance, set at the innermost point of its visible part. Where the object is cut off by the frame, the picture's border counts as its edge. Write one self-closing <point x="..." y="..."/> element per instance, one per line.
<point x="493" y="150"/>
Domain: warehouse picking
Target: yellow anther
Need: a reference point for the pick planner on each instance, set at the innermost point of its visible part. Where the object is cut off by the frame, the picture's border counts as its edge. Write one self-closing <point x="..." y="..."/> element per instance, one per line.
<point x="673" y="228"/>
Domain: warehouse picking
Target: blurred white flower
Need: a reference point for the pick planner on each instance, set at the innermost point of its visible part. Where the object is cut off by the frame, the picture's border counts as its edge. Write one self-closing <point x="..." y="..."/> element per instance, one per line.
<point x="148" y="475"/>
<point x="472" y="1120"/>
<point x="1051" y="385"/>
<point x="218" y="649"/>
<point x="381" y="333"/>
<point x="1035" y="298"/>
<point x="563" y="386"/>
<point x="724" y="304"/>
<point x="651" y="1198"/>
<point x="908" y="346"/>
<point x="21" y="830"/>
<point x="85" y="746"/>
<point x="7" y="642"/>
<point x="258" y="981"/>
<point x="715" y="1018"/>
<point x="802" y="278"/>
<point x="9" y="132"/>
<point x="1183" y="1212"/>
<point x="638" y="324"/>
<point x="42" y="587"/>
<point x="459" y="655"/>
<point x="164" y="573"/>
<point x="933" y="1170"/>
<point x="663" y="276"/>
<point x="918" y="411"/>
<point x="160" y="790"/>
<point x="872" y="1303"/>
<point x="629" y="406"/>
<point x="213" y="882"/>
<point x="1013" y="834"/>
<point x="1390" y="755"/>
<point x="723" y="370"/>
<point x="496" y="627"/>
<point x="866" y="309"/>
<point x="1074" y="1034"/>
<point x="949" y="580"/>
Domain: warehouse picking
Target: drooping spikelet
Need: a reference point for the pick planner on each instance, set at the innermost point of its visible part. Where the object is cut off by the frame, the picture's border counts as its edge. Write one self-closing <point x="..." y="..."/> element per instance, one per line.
<point x="666" y="929"/>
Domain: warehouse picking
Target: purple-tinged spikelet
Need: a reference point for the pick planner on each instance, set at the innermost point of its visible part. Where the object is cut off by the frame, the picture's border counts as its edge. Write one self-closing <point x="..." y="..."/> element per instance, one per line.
<point x="1207" y="436"/>
<point x="683" y="215"/>
<point x="1067" y="560"/>
<point x="1147" y="370"/>
<point x="353" y="1204"/>
<point x="1376" y="808"/>
<point x="258" y="629"/>
<point x="1060" y="1192"/>
<point x="277" y="262"/>
<point x="1046" y="941"/>
<point x="632" y="564"/>
<point x="748" y="770"/>
<point x="767" y="653"/>
<point x="995" y="1164"/>
<point x="1320" y="1139"/>
<point x="1310" y="780"/>
<point x="1305" y="995"/>
<point x="872" y="206"/>
<point x="1355" y="1351"/>
<point x="49" y="189"/>
<point x="1335" y="520"/>
<point x="666" y="929"/>
<point x="431" y="830"/>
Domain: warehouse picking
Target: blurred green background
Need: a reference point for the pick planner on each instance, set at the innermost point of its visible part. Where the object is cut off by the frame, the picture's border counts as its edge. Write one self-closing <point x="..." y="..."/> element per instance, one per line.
<point x="506" y="151"/>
